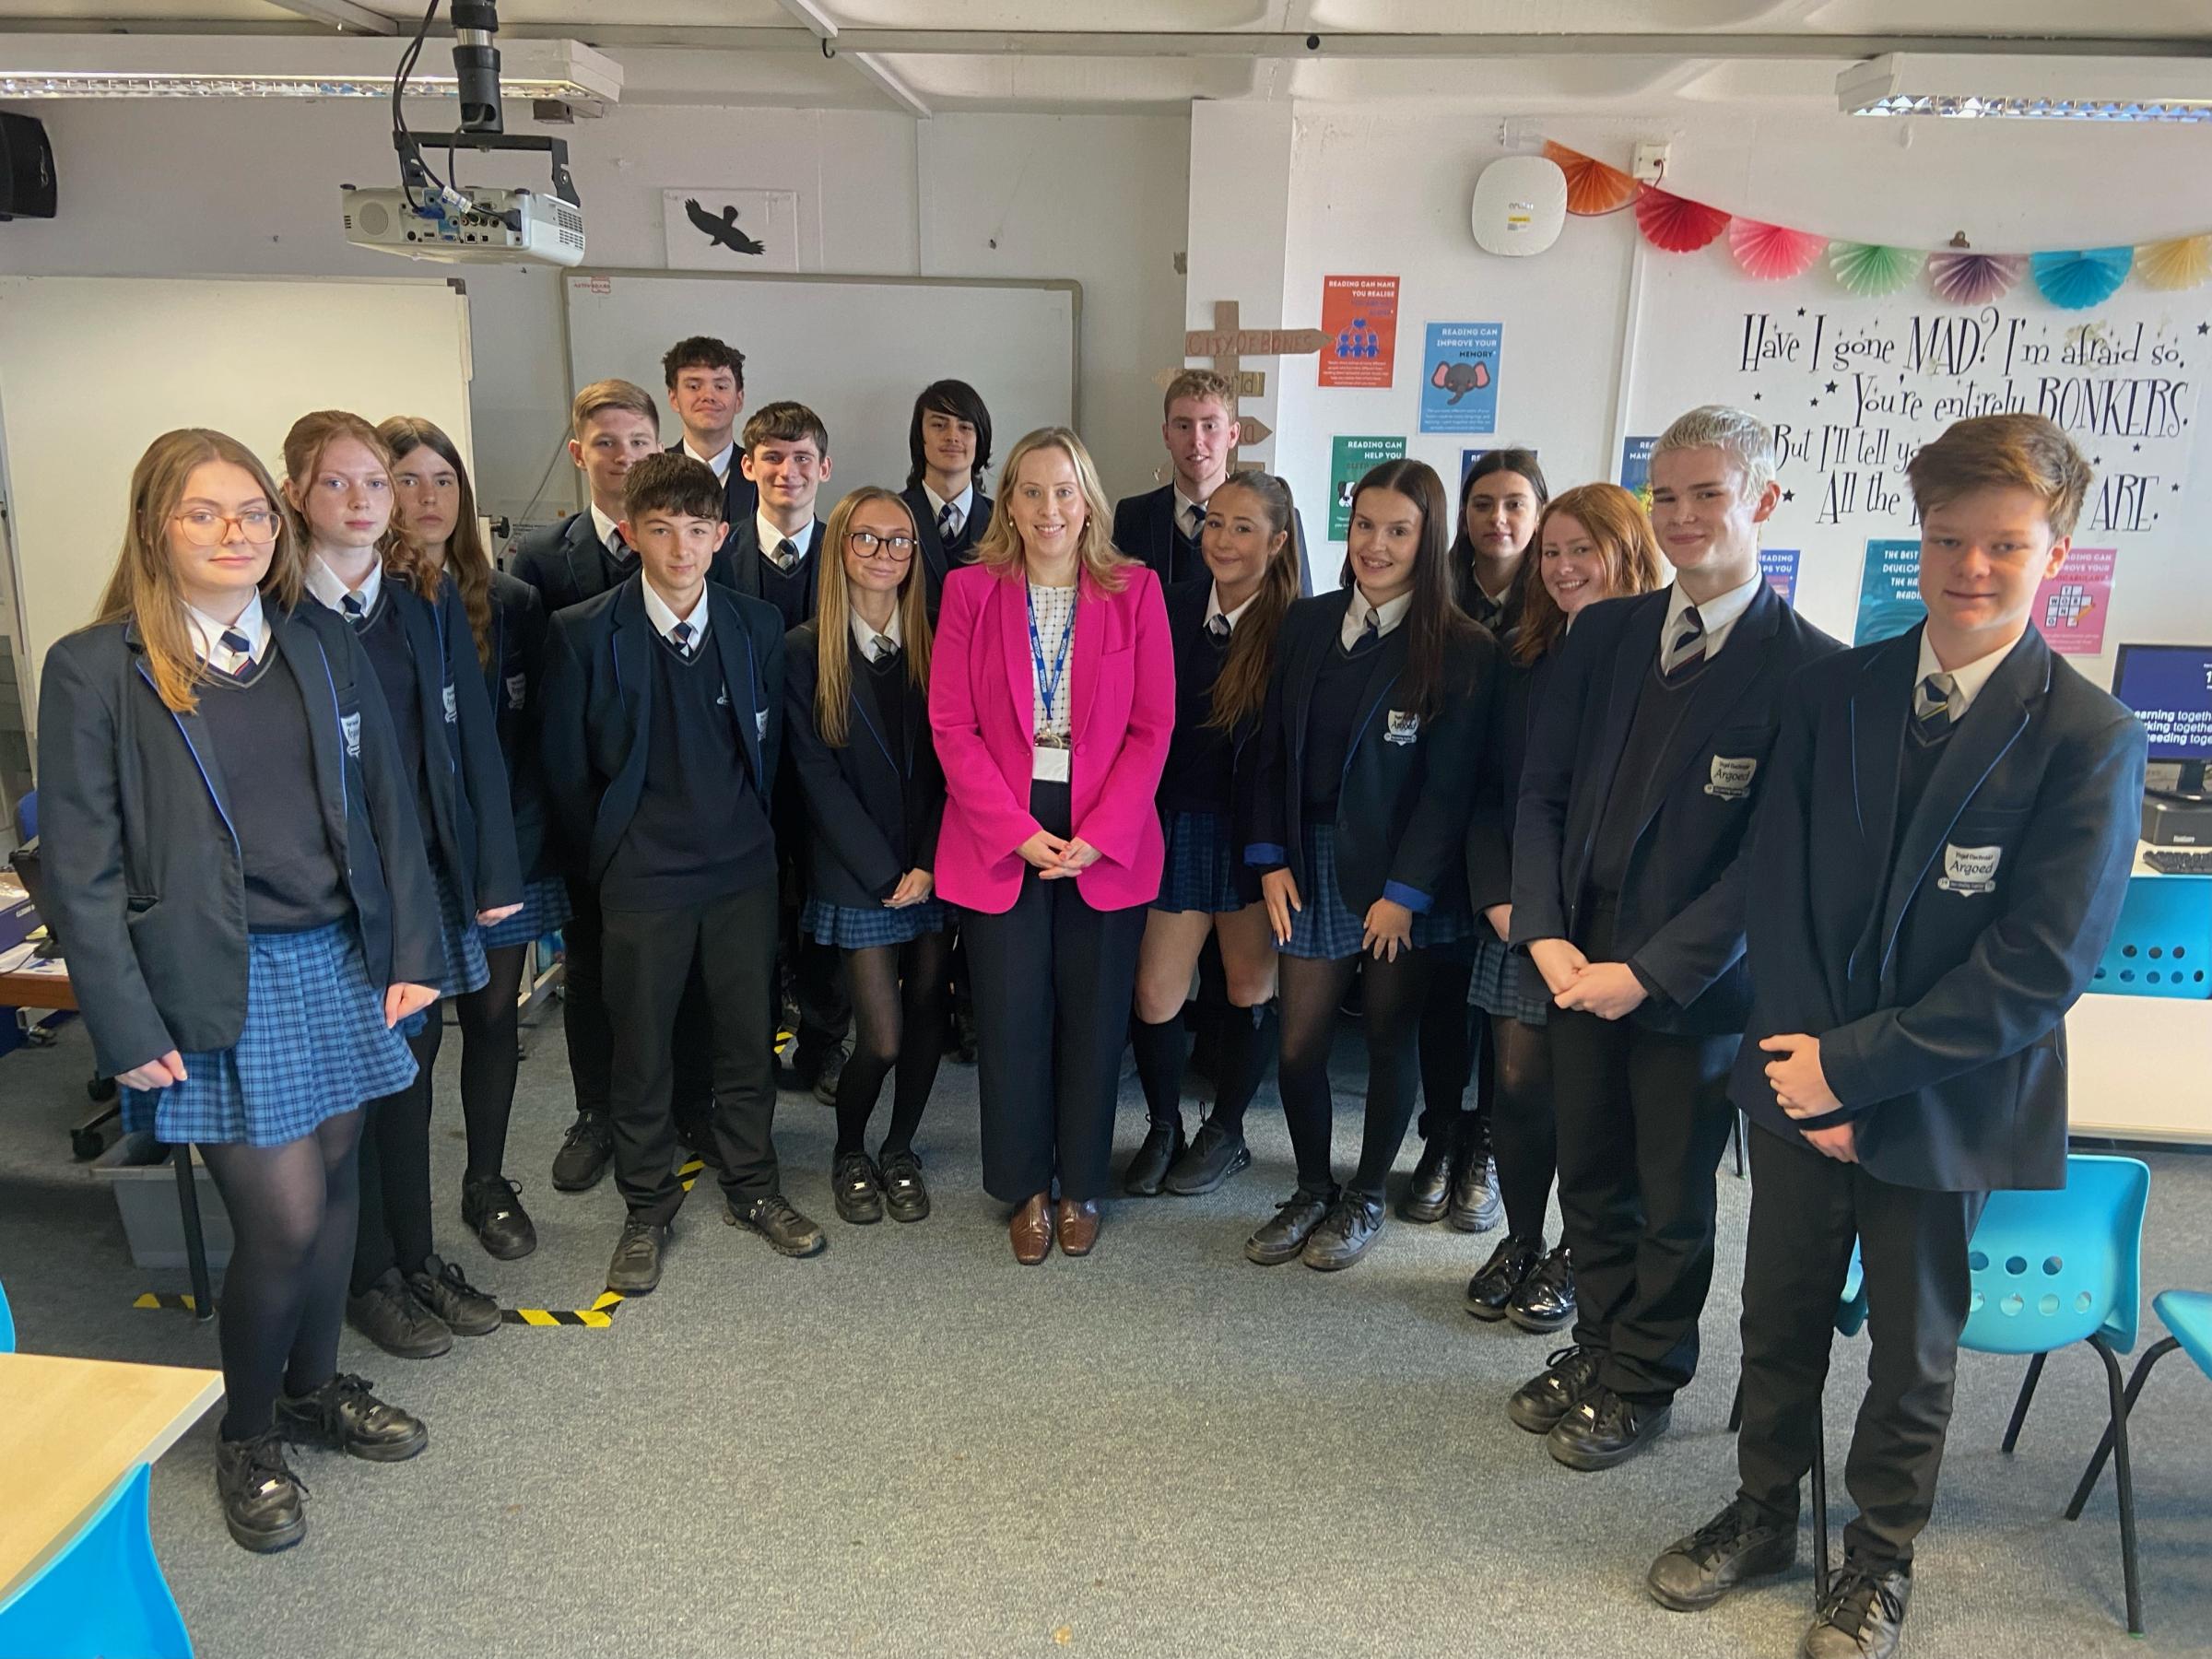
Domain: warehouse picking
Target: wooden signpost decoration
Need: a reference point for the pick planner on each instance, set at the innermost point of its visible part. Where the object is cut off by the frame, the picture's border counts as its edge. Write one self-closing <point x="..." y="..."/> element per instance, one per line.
<point x="1226" y="344"/>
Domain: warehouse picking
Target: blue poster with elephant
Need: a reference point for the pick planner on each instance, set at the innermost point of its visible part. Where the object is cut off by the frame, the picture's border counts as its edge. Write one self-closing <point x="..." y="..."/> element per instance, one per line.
<point x="1459" y="376"/>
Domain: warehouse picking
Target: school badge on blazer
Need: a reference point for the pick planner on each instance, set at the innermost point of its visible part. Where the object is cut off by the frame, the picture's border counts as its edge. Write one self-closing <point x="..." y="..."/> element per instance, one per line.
<point x="452" y="710"/>
<point x="517" y="686"/>
<point x="1970" y="871"/>
<point x="350" y="725"/>
<point x="1730" y="779"/>
<point x="1402" y="727"/>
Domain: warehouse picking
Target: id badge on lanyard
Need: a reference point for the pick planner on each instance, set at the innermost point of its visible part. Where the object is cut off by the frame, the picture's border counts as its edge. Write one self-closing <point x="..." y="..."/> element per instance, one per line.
<point x="1049" y="761"/>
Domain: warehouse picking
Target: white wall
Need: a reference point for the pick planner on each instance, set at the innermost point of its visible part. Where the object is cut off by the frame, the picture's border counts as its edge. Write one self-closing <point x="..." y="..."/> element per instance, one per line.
<point x="171" y="187"/>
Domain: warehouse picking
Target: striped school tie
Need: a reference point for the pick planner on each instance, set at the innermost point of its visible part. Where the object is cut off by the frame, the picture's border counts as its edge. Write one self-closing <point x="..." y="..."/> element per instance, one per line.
<point x="1688" y="648"/>
<point x="883" y="648"/>
<point x="949" y="522"/>
<point x="1218" y="625"/>
<point x="1931" y="719"/>
<point x="241" y="649"/>
<point x="681" y="637"/>
<point x="351" y="605"/>
<point x="787" y="555"/>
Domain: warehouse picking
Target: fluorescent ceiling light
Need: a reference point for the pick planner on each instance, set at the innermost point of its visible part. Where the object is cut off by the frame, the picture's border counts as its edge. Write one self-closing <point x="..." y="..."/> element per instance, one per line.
<point x="2027" y="88"/>
<point x="56" y="66"/>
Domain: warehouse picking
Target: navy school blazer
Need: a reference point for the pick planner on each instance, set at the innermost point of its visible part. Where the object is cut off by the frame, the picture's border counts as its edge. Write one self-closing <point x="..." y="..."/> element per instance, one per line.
<point x="147" y="880"/>
<point x="1186" y="628"/>
<point x="875" y="805"/>
<point x="1937" y="967"/>
<point x="514" y="680"/>
<point x="568" y="563"/>
<point x="1681" y="920"/>
<point x="1498" y="784"/>
<point x="939" y="556"/>
<point x="472" y="821"/>
<point x="596" y="734"/>
<point x="1145" y="528"/>
<point x="1403" y="805"/>
<point x="737" y="565"/>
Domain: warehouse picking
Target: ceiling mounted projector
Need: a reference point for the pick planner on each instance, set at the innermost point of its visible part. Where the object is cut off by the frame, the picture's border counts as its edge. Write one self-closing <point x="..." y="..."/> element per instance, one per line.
<point x="499" y="227"/>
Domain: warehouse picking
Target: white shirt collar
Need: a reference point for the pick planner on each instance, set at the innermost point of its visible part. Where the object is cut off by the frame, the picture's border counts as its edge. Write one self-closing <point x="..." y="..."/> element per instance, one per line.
<point x="765" y="528"/>
<point x="324" y="584"/>
<point x="608" y="529"/>
<point x="1390" y="614"/>
<point x="1718" y="613"/>
<point x="207" y="633"/>
<point x="1967" y="681"/>
<point x="963" y="503"/>
<point x="665" y="619"/>
<point x="1183" y="505"/>
<point x="720" y="462"/>
<point x="1213" y="608"/>
<point x="863" y="634"/>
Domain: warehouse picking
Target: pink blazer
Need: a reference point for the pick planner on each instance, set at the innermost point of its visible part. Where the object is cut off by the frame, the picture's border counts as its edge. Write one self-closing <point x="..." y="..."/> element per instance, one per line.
<point x="981" y="709"/>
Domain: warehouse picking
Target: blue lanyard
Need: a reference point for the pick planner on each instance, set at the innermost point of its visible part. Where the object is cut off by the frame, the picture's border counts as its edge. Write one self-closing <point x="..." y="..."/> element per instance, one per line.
<point x="1048" y="680"/>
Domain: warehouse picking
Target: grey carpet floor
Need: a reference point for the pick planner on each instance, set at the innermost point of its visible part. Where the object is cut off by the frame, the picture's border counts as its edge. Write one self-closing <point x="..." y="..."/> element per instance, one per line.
<point x="911" y="1446"/>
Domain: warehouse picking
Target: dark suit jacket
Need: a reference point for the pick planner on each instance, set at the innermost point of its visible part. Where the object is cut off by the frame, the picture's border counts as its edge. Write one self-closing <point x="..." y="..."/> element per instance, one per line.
<point x="740" y="495"/>
<point x="1498" y="784"/>
<point x="146" y="882"/>
<point x="1468" y="592"/>
<point x="1681" y="920"/>
<point x="1144" y="527"/>
<point x="514" y="681"/>
<point x="938" y="556"/>
<point x="876" y="804"/>
<point x="1402" y="807"/>
<point x="1937" y="975"/>
<point x="596" y="734"/>
<point x="473" y="820"/>
<point x="567" y="563"/>
<point x="737" y="565"/>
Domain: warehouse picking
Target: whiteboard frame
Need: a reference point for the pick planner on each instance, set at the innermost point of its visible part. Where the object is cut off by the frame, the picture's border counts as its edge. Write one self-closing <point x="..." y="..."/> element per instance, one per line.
<point x="1067" y="285"/>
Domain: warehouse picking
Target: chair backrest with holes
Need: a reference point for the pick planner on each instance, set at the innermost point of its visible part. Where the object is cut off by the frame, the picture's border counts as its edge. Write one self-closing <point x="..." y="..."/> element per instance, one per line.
<point x="2054" y="1267"/>
<point x="2162" y="943"/>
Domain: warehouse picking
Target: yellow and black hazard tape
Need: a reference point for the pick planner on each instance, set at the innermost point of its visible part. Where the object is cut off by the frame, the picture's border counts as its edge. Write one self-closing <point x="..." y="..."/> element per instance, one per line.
<point x="173" y="1299"/>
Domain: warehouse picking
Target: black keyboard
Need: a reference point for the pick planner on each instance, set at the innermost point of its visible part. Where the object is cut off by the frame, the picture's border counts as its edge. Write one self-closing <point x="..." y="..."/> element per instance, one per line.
<point x="2180" y="861"/>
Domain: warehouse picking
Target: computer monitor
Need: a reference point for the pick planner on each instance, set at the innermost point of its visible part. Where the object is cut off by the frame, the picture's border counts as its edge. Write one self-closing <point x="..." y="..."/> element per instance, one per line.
<point x="2170" y="689"/>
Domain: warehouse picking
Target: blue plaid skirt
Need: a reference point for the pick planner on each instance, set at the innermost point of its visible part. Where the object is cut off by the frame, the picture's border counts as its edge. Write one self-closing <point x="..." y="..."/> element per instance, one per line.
<point x="851" y="927"/>
<point x="1201" y="870"/>
<point x="544" y="910"/>
<point x="1326" y="930"/>
<point x="465" y="968"/>
<point x="313" y="1045"/>
<point x="1506" y="982"/>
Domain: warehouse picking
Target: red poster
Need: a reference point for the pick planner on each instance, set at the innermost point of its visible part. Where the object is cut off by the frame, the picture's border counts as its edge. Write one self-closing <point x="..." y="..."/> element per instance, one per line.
<point x="2070" y="608"/>
<point x="1359" y="314"/>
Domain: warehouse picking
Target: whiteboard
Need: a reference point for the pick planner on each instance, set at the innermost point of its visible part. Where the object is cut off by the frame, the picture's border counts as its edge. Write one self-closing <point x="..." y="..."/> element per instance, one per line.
<point x="853" y="349"/>
<point x="93" y="369"/>
<point x="1855" y="386"/>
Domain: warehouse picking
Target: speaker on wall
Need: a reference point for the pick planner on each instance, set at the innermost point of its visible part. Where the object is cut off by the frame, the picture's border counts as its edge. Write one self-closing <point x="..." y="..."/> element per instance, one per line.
<point x="27" y="186"/>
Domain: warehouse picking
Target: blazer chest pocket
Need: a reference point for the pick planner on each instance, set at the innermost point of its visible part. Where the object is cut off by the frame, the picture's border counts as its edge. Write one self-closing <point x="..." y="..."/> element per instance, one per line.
<point x="1733" y="768"/>
<point x="1971" y="860"/>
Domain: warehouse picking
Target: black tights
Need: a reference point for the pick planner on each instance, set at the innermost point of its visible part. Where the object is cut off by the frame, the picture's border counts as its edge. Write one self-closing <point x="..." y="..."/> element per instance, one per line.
<point x="1524" y="1131"/>
<point x="396" y="1168"/>
<point x="1312" y="992"/>
<point x="899" y="996"/>
<point x="490" y="1027"/>
<point x="1451" y="1053"/>
<point x="293" y="1211"/>
<point x="1240" y="1062"/>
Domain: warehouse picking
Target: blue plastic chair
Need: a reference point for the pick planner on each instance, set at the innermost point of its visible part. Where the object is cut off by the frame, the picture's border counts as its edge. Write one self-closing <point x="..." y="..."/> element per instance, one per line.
<point x="2053" y="1268"/>
<point x="103" y="1597"/>
<point x="2186" y="1313"/>
<point x="7" y="1324"/>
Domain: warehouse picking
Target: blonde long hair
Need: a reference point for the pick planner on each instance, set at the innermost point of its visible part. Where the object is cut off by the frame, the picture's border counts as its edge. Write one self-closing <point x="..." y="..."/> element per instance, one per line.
<point x="144" y="588"/>
<point x="1000" y="549"/>
<point x="304" y="445"/>
<point x="833" y="616"/>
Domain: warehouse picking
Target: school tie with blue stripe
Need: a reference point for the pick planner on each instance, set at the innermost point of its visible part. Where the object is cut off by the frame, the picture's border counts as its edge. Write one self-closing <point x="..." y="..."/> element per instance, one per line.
<point x="1931" y="719"/>
<point x="786" y="555"/>
<point x="242" y="650"/>
<point x="680" y="636"/>
<point x="949" y="522"/>
<point x="351" y="605"/>
<point x="1218" y="625"/>
<point x="1688" y="650"/>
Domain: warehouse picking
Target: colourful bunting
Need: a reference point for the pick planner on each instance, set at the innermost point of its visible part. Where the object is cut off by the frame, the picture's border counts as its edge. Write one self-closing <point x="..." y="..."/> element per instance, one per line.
<point x="2180" y="263"/>
<point x="1869" y="269"/>
<point x="1771" y="253"/>
<point x="1592" y="187"/>
<point x="2075" y="281"/>
<point x="1675" y="224"/>
<point x="1974" y="278"/>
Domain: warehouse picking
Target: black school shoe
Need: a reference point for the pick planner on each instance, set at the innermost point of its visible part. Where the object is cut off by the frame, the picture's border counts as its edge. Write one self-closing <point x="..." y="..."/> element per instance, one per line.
<point x="787" y="1231"/>
<point x="1737" y="1545"/>
<point x="1281" y="1239"/>
<point x="1601" y="1430"/>
<point x="1351" y="1224"/>
<point x="388" y="1314"/>
<point x="1429" y="1194"/>
<point x="343" y="1416"/>
<point x="1862" y="1615"/>
<point x="1497" y="1280"/>
<point x="1546" y="1302"/>
<point x="1214" y="1155"/>
<point x="636" y="1267"/>
<point x="905" y="1195"/>
<point x="1539" y="1402"/>
<point x="857" y="1189"/>
<point x="1149" y="1169"/>
<point x="439" y="1286"/>
<point x="585" y="1152"/>
<point x="492" y="1209"/>
<point x="260" y="1494"/>
<point x="1476" y="1206"/>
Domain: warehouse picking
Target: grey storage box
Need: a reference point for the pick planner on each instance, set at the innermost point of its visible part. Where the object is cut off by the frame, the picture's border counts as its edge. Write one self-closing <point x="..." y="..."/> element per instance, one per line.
<point x="144" y="1184"/>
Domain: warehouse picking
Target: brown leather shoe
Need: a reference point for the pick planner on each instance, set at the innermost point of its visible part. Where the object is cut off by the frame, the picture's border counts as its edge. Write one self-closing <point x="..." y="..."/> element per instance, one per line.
<point x="1031" y="1229"/>
<point x="1078" y="1225"/>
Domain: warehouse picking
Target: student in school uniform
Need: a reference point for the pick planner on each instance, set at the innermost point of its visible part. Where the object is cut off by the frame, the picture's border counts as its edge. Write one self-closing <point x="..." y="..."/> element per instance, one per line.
<point x="664" y="721"/>
<point x="1224" y="628"/>
<point x="1456" y="1179"/>
<point x="706" y="390"/>
<point x="774" y="556"/>
<point x="1642" y="770"/>
<point x="237" y="876"/>
<point x="1940" y="859"/>
<point x="1363" y="780"/>
<point x="613" y="425"/>
<point x="411" y="624"/>
<point x="1594" y="542"/>
<point x="1161" y="527"/>
<point x="1053" y="701"/>
<point x="437" y="511"/>
<point x="949" y="444"/>
<point x="856" y="725"/>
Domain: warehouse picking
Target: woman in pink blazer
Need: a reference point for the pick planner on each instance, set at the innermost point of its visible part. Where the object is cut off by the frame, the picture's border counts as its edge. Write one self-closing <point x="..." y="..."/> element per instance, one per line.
<point x="1052" y="698"/>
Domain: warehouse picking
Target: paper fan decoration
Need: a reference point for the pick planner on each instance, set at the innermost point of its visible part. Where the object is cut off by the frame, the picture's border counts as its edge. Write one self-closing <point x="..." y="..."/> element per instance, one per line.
<point x="1591" y="186"/>
<point x="1869" y="270"/>
<point x="1675" y="224"/>
<point x="1974" y="278"/>
<point x="1771" y="253"/>
<point x="2081" y="278"/>
<point x="2180" y="263"/>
